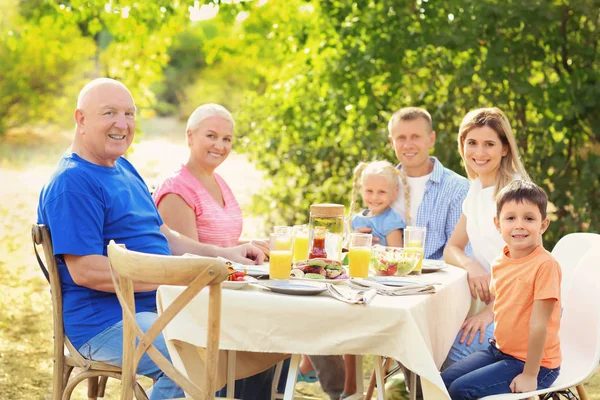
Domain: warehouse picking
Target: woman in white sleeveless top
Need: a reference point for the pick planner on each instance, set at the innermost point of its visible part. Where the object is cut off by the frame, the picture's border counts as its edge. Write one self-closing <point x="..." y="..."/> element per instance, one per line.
<point x="487" y="146"/>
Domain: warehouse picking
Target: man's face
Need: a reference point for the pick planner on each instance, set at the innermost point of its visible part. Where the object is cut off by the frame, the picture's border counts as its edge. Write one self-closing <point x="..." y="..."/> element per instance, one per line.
<point x="106" y="123"/>
<point x="411" y="141"/>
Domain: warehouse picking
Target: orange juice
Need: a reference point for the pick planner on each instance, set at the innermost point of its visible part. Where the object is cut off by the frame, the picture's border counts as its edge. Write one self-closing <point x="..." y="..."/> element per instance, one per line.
<point x="280" y="262"/>
<point x="418" y="251"/>
<point x="358" y="261"/>
<point x="300" y="248"/>
<point x="283" y="243"/>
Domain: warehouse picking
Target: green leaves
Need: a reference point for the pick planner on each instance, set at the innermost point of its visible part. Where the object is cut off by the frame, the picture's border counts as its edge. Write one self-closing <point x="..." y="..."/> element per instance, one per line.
<point x="368" y="59"/>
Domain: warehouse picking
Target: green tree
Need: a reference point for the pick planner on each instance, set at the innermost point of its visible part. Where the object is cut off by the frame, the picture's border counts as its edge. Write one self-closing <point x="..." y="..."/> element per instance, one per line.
<point x="328" y="107"/>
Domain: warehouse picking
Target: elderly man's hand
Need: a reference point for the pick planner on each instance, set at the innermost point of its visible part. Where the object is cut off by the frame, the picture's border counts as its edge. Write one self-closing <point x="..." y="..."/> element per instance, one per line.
<point x="246" y="254"/>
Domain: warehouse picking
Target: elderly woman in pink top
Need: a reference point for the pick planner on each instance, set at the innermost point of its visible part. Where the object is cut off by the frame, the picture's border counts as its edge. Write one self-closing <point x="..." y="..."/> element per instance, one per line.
<point x="196" y="201"/>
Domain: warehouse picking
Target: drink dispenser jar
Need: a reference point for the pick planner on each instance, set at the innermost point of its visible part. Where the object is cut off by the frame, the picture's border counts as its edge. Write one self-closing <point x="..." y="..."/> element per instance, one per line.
<point x="330" y="217"/>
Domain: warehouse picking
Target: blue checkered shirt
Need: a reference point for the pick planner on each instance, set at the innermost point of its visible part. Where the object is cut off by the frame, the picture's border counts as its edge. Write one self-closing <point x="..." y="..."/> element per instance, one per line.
<point x="441" y="207"/>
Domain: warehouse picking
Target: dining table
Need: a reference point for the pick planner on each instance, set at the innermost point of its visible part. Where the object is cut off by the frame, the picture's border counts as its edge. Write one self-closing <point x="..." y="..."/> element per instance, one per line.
<point x="259" y="328"/>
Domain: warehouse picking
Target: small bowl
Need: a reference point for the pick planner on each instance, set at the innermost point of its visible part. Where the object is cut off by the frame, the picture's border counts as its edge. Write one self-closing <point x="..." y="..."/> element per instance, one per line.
<point x="392" y="261"/>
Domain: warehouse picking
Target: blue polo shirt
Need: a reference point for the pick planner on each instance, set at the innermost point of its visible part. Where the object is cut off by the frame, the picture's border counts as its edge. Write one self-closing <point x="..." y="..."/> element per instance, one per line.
<point x="85" y="206"/>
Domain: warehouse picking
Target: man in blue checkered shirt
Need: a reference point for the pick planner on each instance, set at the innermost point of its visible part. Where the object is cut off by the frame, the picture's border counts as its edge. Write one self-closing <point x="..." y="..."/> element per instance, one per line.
<point x="436" y="193"/>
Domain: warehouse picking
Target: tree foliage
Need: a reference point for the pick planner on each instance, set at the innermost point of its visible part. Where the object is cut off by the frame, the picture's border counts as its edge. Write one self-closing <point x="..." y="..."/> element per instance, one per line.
<point x="360" y="61"/>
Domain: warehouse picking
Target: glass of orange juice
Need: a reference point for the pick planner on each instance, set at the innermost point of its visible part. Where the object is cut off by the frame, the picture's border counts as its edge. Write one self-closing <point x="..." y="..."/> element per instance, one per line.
<point x="300" y="243"/>
<point x="414" y="242"/>
<point x="280" y="257"/>
<point x="359" y="254"/>
<point x="284" y="240"/>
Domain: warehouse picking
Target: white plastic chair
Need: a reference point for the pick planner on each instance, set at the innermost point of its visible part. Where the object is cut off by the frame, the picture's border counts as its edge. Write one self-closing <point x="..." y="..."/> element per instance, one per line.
<point x="579" y="257"/>
<point x="568" y="252"/>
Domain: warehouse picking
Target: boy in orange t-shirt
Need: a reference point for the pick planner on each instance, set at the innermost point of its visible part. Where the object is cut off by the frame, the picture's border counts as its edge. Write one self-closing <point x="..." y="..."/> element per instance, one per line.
<point x="525" y="354"/>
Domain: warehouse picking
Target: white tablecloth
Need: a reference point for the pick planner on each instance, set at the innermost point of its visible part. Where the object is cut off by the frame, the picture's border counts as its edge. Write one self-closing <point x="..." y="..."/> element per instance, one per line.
<point x="416" y="330"/>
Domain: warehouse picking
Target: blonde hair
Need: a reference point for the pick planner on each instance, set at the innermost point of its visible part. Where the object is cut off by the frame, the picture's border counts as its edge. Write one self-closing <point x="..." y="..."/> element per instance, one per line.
<point x="379" y="168"/>
<point x="206" y="111"/>
<point x="495" y="119"/>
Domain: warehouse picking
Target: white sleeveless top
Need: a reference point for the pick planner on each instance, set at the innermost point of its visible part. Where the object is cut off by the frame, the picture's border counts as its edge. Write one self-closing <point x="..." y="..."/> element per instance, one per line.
<point x="479" y="207"/>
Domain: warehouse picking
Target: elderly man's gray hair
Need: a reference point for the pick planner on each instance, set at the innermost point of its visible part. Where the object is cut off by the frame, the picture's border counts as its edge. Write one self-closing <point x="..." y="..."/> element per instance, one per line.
<point x="206" y="111"/>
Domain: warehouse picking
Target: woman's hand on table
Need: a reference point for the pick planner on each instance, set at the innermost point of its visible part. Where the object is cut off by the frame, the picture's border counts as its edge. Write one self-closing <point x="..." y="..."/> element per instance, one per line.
<point x="478" y="322"/>
<point x="479" y="281"/>
<point x="262" y="245"/>
<point x="245" y="254"/>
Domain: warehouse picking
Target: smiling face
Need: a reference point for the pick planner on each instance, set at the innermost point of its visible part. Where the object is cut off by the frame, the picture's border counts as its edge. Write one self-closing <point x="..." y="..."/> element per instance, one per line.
<point x="482" y="152"/>
<point x="210" y="142"/>
<point x="412" y="140"/>
<point x="378" y="193"/>
<point x="105" y="123"/>
<point x="521" y="226"/>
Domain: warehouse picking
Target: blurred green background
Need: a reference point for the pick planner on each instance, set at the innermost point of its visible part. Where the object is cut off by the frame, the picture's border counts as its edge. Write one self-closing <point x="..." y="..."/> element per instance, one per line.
<point x="311" y="84"/>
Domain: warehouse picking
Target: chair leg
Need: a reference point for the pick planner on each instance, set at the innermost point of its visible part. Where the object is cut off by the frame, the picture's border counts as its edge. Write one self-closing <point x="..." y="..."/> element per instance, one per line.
<point x="66" y="376"/>
<point x="102" y="386"/>
<point x="92" y="388"/>
<point x="372" y="381"/>
<point x="581" y="392"/>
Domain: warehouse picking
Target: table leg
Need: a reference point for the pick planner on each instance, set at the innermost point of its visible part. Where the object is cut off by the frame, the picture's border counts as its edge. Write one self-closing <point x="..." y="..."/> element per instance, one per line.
<point x="379" y="377"/>
<point x="360" y="384"/>
<point x="290" y="383"/>
<point x="274" y="394"/>
<point x="230" y="374"/>
<point x="413" y="386"/>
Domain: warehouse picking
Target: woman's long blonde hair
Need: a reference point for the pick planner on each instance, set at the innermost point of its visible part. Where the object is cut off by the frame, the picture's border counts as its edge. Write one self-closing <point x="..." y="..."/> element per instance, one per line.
<point x="495" y="119"/>
<point x="379" y="168"/>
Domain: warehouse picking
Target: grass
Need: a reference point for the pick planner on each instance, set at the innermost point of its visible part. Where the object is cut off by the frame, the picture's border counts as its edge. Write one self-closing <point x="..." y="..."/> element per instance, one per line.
<point x="26" y="161"/>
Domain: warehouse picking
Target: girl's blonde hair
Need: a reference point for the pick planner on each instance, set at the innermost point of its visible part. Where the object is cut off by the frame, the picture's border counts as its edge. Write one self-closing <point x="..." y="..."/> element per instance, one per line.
<point x="511" y="163"/>
<point x="379" y="168"/>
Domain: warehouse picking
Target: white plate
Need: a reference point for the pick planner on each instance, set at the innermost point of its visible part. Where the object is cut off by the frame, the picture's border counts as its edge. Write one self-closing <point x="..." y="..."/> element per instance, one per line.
<point x="294" y="287"/>
<point x="333" y="281"/>
<point x="397" y="281"/>
<point x="433" y="265"/>
<point x="236" y="285"/>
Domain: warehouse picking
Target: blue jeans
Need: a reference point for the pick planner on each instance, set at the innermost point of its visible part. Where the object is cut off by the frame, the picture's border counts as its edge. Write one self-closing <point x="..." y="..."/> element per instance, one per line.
<point x="461" y="350"/>
<point x="488" y="372"/>
<point x="107" y="347"/>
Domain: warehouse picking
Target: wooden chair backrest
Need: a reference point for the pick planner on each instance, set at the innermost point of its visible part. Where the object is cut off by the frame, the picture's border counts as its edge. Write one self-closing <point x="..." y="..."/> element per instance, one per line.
<point x="40" y="236"/>
<point x="194" y="272"/>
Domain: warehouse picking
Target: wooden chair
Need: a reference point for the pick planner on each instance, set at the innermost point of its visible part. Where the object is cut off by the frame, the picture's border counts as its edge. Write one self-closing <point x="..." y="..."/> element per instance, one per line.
<point x="194" y="272"/>
<point x="66" y="357"/>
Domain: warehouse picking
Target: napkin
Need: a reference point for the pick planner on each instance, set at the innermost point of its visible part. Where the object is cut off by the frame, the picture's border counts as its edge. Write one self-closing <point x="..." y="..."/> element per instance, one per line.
<point x="365" y="284"/>
<point x="362" y="296"/>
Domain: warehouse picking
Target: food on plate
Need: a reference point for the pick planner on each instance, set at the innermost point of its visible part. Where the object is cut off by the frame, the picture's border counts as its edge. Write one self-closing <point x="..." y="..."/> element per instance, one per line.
<point x="388" y="261"/>
<point x="296" y="273"/>
<point x="235" y="276"/>
<point x="320" y="268"/>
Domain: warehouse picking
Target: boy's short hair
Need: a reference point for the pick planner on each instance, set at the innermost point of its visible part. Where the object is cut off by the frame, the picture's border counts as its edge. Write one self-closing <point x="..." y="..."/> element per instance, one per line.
<point x="409" y="114"/>
<point x="522" y="191"/>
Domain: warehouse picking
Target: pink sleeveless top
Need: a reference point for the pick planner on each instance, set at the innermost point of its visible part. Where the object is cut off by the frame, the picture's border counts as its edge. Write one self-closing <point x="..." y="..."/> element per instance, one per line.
<point x="221" y="226"/>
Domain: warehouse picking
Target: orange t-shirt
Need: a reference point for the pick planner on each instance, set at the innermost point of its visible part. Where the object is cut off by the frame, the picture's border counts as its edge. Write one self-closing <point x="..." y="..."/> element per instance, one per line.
<point x="517" y="283"/>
